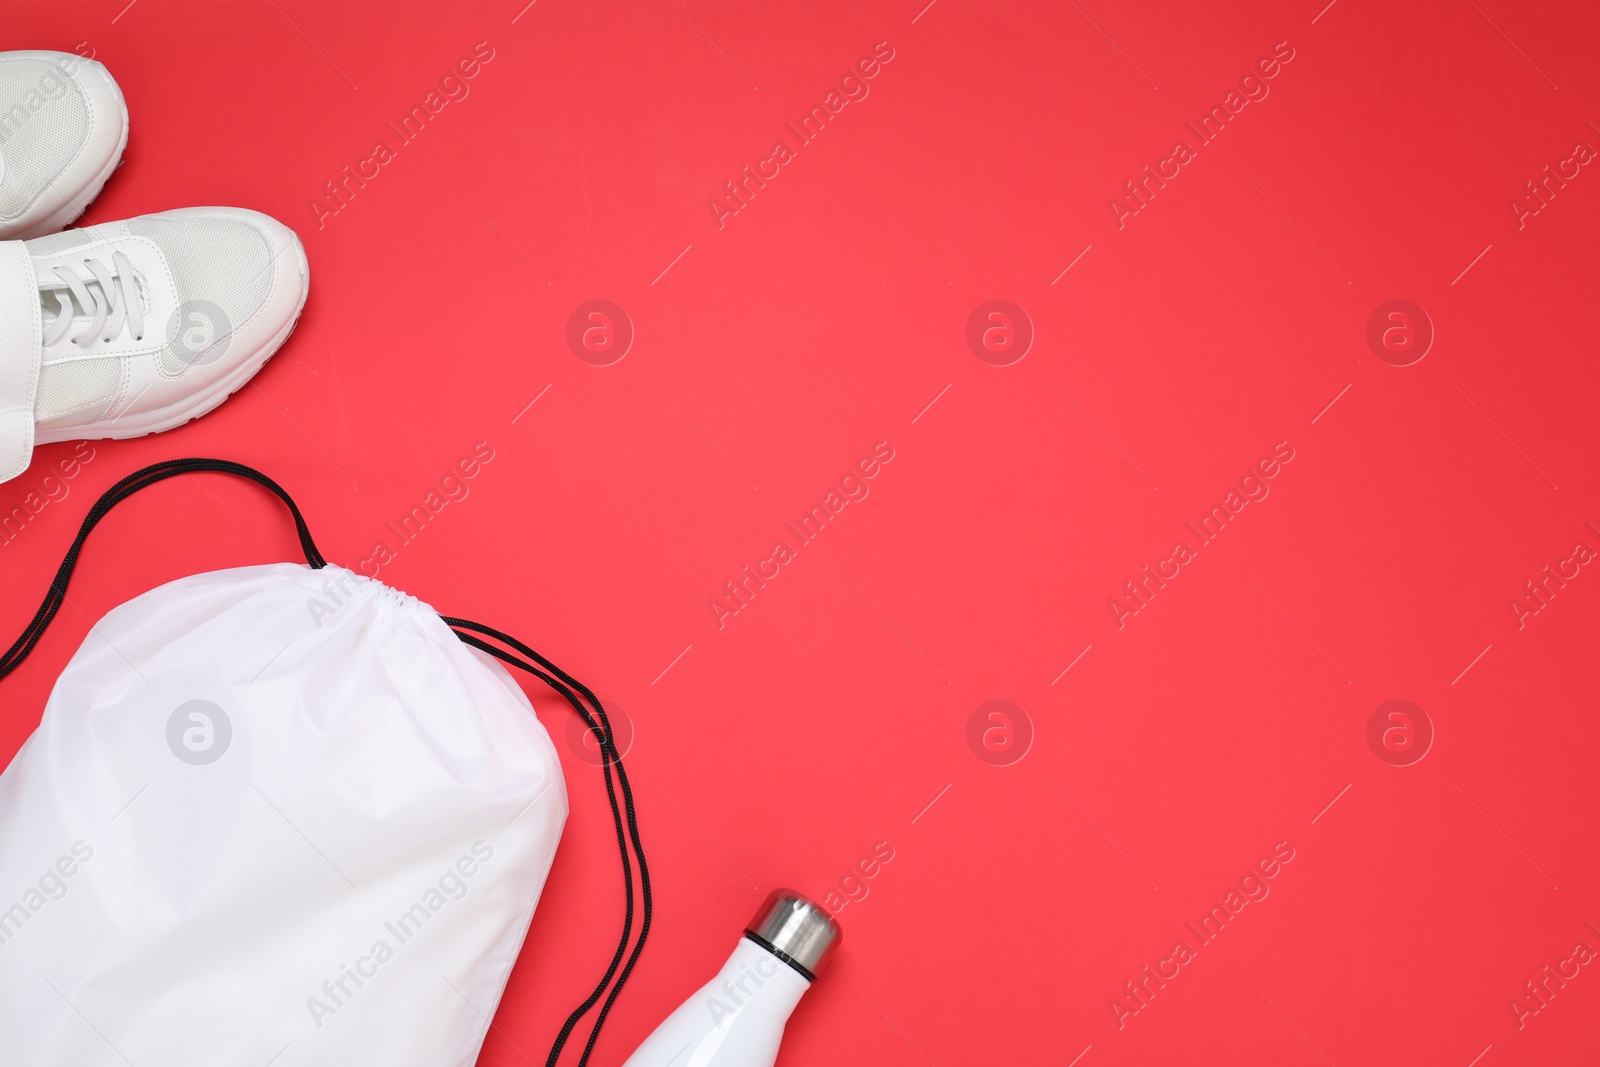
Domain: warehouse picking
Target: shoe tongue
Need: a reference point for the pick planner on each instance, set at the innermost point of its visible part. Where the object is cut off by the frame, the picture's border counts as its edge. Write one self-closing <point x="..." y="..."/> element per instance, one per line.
<point x="51" y="302"/>
<point x="53" y="295"/>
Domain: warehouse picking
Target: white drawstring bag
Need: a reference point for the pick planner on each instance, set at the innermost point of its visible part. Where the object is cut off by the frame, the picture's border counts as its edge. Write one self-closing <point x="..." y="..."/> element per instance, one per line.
<point x="275" y="815"/>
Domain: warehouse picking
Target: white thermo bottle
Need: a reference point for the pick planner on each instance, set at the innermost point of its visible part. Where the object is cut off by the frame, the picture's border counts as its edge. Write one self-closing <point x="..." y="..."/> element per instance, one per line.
<point x="737" y="1018"/>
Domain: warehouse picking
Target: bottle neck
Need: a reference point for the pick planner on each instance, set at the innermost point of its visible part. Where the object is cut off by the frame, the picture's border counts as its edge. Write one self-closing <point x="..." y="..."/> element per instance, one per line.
<point x="754" y="977"/>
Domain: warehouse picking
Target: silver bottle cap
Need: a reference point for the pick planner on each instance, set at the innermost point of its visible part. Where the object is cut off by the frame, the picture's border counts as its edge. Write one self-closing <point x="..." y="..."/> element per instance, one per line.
<point x="795" y="930"/>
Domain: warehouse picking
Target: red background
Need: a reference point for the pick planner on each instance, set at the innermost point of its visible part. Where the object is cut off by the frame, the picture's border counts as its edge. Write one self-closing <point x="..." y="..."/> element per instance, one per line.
<point x="773" y="352"/>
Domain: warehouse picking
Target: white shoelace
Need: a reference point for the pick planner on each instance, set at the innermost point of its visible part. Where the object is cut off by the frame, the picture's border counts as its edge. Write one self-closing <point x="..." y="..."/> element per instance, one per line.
<point x="114" y="300"/>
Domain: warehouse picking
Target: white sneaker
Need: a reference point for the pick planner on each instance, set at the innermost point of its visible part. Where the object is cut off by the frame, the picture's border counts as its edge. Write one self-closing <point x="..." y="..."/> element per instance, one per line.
<point x="130" y="328"/>
<point x="63" y="126"/>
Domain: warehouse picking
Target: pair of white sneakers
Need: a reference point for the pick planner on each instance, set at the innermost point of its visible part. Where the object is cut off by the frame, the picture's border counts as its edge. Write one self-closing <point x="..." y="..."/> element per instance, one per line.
<point x="127" y="328"/>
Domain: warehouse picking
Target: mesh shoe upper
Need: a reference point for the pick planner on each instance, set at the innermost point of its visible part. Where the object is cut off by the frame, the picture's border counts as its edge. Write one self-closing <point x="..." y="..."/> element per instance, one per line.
<point x="63" y="126"/>
<point x="44" y="123"/>
<point x="75" y="394"/>
<point x="218" y="261"/>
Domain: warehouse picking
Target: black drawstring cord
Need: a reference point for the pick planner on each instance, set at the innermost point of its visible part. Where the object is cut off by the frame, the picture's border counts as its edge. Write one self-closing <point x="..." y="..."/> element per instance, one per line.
<point x="140" y="479"/>
<point x="560" y="681"/>
<point x="627" y="825"/>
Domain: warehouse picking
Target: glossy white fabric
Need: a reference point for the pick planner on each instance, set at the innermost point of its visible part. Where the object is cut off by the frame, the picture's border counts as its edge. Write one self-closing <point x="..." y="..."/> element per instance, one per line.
<point x="271" y="815"/>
